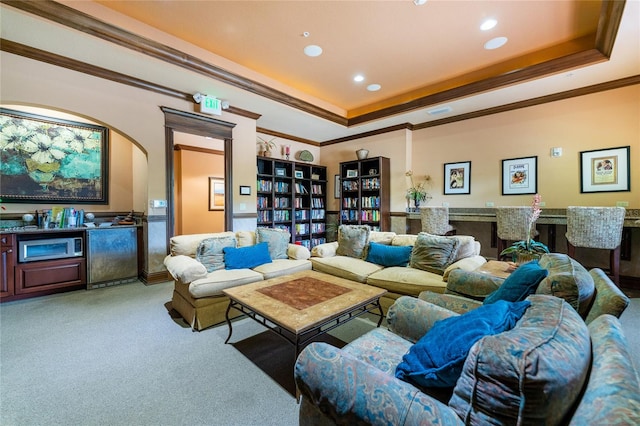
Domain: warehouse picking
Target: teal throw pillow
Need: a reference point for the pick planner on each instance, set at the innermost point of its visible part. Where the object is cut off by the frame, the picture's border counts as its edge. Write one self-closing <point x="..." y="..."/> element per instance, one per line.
<point x="246" y="257"/>
<point x="521" y="283"/>
<point x="209" y="251"/>
<point x="385" y="255"/>
<point x="276" y="239"/>
<point x="437" y="359"/>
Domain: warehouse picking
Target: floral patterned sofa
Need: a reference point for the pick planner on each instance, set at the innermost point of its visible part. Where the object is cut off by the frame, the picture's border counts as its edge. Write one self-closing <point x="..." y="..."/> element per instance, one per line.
<point x="550" y="368"/>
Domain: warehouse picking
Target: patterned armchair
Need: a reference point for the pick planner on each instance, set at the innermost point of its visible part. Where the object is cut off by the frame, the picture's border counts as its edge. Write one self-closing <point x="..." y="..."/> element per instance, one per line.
<point x="596" y="227"/>
<point x="435" y="220"/>
<point x="551" y="368"/>
<point x="590" y="293"/>
<point x="512" y="224"/>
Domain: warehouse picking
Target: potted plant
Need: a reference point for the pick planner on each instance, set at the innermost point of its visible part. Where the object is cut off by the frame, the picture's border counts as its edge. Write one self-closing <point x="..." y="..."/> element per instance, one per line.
<point x="266" y="146"/>
<point x="418" y="193"/>
<point x="529" y="249"/>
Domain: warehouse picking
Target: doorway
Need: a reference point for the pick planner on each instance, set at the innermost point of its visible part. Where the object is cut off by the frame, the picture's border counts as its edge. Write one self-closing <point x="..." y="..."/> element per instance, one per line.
<point x="196" y="124"/>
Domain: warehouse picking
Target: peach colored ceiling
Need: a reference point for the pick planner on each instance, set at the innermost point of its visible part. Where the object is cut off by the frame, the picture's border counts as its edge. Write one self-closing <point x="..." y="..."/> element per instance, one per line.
<point x="409" y="50"/>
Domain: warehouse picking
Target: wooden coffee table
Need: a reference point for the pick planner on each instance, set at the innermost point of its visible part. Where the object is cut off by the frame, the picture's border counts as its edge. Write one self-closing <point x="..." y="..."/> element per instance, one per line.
<point x="302" y="306"/>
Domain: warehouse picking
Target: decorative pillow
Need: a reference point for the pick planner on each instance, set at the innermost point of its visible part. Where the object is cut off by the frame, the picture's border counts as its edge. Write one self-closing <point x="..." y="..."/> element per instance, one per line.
<point x="436" y="360"/>
<point x="352" y="240"/>
<point x="209" y="251"/>
<point x="276" y="239"/>
<point x="567" y="280"/>
<point x="246" y="257"/>
<point x="521" y="283"/>
<point x="382" y="254"/>
<point x="468" y="246"/>
<point x="433" y="253"/>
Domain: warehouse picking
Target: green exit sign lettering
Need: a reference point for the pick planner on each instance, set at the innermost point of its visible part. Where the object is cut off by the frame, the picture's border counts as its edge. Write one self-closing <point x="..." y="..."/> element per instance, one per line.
<point x="211" y="105"/>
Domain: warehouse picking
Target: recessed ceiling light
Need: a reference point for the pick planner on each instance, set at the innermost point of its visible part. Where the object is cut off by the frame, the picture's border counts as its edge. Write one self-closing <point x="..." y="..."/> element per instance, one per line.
<point x="494" y="43"/>
<point x="313" y="50"/>
<point x="488" y="24"/>
<point x="419" y="2"/>
<point x="439" y="110"/>
<point x="358" y="78"/>
<point x="373" y="87"/>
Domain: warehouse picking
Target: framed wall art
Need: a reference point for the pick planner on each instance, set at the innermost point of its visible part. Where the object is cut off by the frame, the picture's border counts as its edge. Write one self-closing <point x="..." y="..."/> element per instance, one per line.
<point x="245" y="190"/>
<point x="298" y="174"/>
<point x="605" y="170"/>
<point x="457" y="178"/>
<point x="49" y="160"/>
<point x="216" y="193"/>
<point x="336" y="186"/>
<point x="520" y="176"/>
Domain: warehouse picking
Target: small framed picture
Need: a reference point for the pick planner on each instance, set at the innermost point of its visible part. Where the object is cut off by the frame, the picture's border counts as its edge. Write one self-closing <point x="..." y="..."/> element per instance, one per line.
<point x="298" y="174"/>
<point x="520" y="176"/>
<point x="280" y="171"/>
<point x="605" y="170"/>
<point x="245" y="190"/>
<point x="352" y="173"/>
<point x="216" y="193"/>
<point x="315" y="176"/>
<point x="457" y="178"/>
<point x="336" y="186"/>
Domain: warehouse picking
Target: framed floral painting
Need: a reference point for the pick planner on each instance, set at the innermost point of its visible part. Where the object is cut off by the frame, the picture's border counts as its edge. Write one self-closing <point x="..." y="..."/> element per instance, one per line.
<point x="49" y="160"/>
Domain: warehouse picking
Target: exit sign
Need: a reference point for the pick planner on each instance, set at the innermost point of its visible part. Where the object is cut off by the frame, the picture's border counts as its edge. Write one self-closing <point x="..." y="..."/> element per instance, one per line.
<point x="211" y="105"/>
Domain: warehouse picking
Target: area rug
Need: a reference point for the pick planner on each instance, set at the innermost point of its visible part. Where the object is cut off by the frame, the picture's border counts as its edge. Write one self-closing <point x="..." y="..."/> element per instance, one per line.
<point x="275" y="356"/>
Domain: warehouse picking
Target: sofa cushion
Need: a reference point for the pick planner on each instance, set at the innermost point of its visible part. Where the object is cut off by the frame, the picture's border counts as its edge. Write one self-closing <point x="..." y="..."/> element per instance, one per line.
<point x="277" y="240"/>
<point x="433" y="253"/>
<point x="519" y="284"/>
<point x="345" y="267"/>
<point x="567" y="280"/>
<point x="187" y="245"/>
<point x="215" y="282"/>
<point x="404" y="240"/>
<point x="382" y="237"/>
<point x="280" y="267"/>
<point x="386" y="255"/>
<point x="246" y="238"/>
<point x="405" y="280"/>
<point x="536" y="384"/>
<point x="209" y="251"/>
<point x="436" y="359"/>
<point x="246" y="257"/>
<point x="353" y="240"/>
<point x="468" y="246"/>
<point x="379" y="348"/>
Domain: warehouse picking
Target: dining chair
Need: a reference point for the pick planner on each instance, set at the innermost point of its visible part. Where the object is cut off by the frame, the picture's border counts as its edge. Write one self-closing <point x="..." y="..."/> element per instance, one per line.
<point x="435" y="220"/>
<point x="512" y="225"/>
<point x="598" y="228"/>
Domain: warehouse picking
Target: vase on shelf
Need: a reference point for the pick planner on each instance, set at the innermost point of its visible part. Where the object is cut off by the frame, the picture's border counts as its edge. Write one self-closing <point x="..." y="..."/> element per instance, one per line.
<point x="362" y="154"/>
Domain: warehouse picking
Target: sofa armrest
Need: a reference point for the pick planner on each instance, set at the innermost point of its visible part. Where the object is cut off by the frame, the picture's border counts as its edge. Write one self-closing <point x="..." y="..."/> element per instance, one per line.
<point x="325" y="250"/>
<point x="452" y="302"/>
<point x="184" y="268"/>
<point x="349" y="391"/>
<point x="470" y="263"/>
<point x="474" y="285"/>
<point x="411" y="318"/>
<point x="297" y="252"/>
<point x="609" y="299"/>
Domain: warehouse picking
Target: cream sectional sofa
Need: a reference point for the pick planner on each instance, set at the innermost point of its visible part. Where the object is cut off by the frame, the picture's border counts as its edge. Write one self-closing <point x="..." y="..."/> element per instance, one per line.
<point x="197" y="294"/>
<point x="397" y="280"/>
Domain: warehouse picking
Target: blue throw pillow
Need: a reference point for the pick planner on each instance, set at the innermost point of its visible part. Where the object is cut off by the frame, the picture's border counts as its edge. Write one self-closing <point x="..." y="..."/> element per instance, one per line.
<point x="436" y="360"/>
<point x="521" y="283"/>
<point x="385" y="255"/>
<point x="246" y="257"/>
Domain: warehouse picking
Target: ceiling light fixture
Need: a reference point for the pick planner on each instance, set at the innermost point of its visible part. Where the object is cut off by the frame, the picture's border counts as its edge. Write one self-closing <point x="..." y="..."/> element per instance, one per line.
<point x="439" y="110"/>
<point x="488" y="24"/>
<point x="198" y="97"/>
<point x="495" y="43"/>
<point x="373" y="87"/>
<point x="313" y="50"/>
<point x="419" y="2"/>
<point x="358" y="78"/>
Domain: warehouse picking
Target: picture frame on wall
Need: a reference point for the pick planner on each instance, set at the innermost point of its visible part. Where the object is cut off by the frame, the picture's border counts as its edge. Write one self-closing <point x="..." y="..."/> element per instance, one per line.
<point x="520" y="176"/>
<point x="245" y="190"/>
<point x="50" y="160"/>
<point x="298" y="174"/>
<point x="216" y="193"/>
<point x="336" y="186"/>
<point x="605" y="170"/>
<point x="457" y="178"/>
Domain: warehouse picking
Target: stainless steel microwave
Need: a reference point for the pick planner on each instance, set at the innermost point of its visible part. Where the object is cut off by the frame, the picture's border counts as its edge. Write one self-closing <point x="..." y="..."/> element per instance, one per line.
<point x="49" y="248"/>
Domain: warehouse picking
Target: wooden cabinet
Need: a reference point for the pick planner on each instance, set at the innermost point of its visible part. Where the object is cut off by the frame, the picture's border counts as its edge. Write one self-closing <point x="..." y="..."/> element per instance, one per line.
<point x="365" y="193"/>
<point x="7" y="262"/>
<point x="47" y="276"/>
<point x="292" y="196"/>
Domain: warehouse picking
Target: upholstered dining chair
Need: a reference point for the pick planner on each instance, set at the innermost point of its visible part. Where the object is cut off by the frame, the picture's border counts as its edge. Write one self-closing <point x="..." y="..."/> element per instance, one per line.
<point x="435" y="220"/>
<point x="512" y="224"/>
<point x="599" y="228"/>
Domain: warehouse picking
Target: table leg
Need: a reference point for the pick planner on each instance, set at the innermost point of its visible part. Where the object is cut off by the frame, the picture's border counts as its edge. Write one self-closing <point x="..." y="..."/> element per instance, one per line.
<point x="226" y="315"/>
<point x="381" y="313"/>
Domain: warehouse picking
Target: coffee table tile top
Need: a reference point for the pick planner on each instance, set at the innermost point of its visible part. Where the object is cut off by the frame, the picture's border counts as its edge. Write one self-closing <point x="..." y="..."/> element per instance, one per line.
<point x="298" y="320"/>
<point x="303" y="292"/>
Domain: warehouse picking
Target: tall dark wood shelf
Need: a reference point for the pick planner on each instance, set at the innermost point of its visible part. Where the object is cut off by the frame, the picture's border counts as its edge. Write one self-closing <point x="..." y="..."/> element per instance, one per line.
<point x="292" y="196"/>
<point x="365" y="193"/>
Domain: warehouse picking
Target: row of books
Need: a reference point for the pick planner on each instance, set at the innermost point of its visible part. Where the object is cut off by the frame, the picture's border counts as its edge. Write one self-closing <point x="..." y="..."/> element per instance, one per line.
<point x="370" y="215"/>
<point x="311" y="242"/>
<point x="317" y="228"/>
<point x="350" y="203"/>
<point x="316" y="189"/>
<point x="369" y="202"/>
<point x="300" y="189"/>
<point x="264" y="185"/>
<point x="371" y="183"/>
<point x="349" y="185"/>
